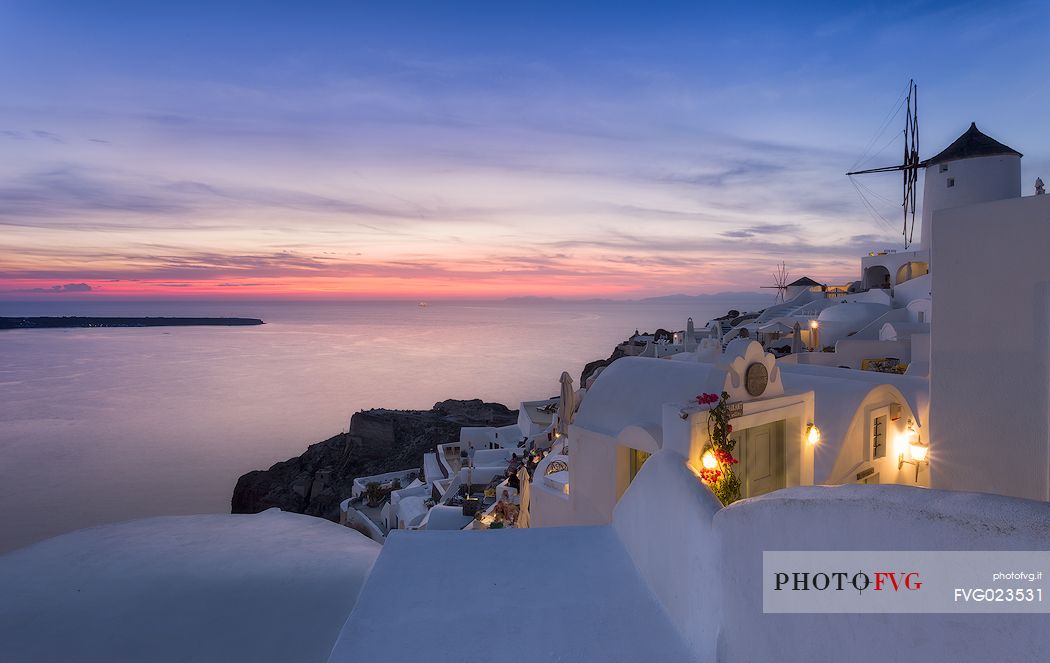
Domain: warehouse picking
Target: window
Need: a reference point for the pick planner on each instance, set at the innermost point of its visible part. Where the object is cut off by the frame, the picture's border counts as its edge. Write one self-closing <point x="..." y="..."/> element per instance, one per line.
<point x="951" y="182"/>
<point x="944" y="168"/>
<point x="878" y="432"/>
<point x="638" y="459"/>
<point x="878" y="437"/>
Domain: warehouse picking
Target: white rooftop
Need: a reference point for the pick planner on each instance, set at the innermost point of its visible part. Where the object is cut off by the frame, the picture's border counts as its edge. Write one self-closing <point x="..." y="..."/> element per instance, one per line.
<point x="633" y="391"/>
<point x="513" y="596"/>
<point x="267" y="587"/>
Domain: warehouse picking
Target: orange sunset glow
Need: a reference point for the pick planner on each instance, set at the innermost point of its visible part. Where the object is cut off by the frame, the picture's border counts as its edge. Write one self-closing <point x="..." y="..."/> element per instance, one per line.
<point x="432" y="157"/>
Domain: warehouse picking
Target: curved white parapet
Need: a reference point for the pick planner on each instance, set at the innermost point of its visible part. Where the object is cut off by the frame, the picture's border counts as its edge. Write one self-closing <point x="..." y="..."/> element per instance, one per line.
<point x="271" y="586"/>
<point x="883" y="517"/>
<point x="664" y="521"/>
<point x="444" y="517"/>
<point x="704" y="564"/>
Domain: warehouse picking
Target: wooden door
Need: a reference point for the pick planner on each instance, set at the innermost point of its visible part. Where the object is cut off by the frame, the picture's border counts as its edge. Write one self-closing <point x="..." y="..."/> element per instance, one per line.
<point x="761" y="453"/>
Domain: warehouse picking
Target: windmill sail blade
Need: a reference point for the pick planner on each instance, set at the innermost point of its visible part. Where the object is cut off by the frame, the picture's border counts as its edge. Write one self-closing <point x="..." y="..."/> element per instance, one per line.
<point x="909" y="166"/>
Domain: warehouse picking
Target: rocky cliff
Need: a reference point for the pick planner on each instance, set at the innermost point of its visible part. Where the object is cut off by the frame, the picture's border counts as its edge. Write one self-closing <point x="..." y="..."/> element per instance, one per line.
<point x="593" y="366"/>
<point x="379" y="441"/>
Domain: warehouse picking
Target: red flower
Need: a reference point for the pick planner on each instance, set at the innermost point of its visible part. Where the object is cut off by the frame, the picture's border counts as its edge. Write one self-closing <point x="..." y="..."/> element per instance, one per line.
<point x="724" y="457"/>
<point x="710" y="476"/>
<point x="707" y="399"/>
<point x="730" y="428"/>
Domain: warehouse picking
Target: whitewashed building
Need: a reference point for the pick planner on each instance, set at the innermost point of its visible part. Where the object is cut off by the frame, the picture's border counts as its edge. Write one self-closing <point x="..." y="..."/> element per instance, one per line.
<point x="970" y="411"/>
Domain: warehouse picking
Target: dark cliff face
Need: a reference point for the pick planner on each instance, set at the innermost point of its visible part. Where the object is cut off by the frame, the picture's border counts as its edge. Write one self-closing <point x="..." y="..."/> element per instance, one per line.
<point x="591" y="367"/>
<point x="379" y="441"/>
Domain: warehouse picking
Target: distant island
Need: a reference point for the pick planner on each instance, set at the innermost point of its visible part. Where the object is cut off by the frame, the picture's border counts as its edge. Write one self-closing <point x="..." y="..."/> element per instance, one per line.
<point x="66" y="322"/>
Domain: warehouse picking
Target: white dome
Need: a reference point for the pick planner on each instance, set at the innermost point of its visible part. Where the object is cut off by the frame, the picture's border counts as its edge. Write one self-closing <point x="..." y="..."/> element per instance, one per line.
<point x="838" y="322"/>
<point x="852" y="312"/>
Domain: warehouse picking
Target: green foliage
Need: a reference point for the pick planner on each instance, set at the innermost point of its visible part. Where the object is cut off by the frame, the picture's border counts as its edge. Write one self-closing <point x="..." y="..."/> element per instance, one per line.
<point x="722" y="480"/>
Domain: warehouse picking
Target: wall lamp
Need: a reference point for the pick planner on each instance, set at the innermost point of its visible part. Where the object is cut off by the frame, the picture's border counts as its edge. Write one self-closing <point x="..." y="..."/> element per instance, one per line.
<point x="917" y="451"/>
<point x="813" y="434"/>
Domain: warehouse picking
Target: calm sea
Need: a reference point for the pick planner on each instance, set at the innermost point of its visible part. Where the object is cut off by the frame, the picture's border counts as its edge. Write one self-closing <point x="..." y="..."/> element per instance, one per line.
<point x="104" y="425"/>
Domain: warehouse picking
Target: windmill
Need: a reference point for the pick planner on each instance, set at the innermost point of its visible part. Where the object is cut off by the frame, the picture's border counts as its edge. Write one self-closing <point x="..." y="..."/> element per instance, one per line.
<point x="910" y="164"/>
<point x="780" y="279"/>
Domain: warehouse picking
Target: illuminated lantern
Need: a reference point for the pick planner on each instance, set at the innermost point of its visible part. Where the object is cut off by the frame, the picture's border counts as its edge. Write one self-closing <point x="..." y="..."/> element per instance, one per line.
<point x="709" y="460"/>
<point x="917" y="451"/>
<point x="813" y="434"/>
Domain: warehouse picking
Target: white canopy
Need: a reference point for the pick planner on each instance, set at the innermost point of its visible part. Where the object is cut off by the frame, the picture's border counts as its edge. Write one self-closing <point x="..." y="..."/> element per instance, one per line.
<point x="566" y="404"/>
<point x="523" y="504"/>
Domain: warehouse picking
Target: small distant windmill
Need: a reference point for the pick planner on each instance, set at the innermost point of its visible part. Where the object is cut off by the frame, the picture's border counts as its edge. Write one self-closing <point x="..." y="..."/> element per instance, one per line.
<point x="780" y="280"/>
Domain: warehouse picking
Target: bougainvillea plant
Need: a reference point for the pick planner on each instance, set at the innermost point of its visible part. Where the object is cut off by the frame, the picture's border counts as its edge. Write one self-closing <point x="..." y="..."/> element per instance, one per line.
<point x="721" y="479"/>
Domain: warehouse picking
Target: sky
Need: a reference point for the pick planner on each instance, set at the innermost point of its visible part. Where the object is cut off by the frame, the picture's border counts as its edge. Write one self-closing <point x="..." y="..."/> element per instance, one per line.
<point x="480" y="149"/>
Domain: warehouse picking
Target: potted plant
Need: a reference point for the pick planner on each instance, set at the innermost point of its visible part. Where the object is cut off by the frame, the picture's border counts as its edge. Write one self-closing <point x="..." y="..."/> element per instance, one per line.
<point x="373" y="493"/>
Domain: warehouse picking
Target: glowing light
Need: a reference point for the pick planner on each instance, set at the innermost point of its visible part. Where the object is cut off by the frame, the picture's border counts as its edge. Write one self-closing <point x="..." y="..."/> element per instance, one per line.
<point x="813" y="434"/>
<point x="813" y="324"/>
<point x="900" y="443"/>
<point x="918" y="451"/>
<point x="911" y="435"/>
<point x="709" y="460"/>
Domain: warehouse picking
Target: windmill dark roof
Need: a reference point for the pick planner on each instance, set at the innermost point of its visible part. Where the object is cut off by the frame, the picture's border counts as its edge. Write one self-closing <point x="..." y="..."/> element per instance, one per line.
<point x="971" y="144"/>
<point x="805" y="280"/>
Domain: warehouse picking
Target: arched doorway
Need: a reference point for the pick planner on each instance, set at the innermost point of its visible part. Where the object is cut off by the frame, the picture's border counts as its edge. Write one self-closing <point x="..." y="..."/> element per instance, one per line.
<point x="877" y="276"/>
<point x="912" y="270"/>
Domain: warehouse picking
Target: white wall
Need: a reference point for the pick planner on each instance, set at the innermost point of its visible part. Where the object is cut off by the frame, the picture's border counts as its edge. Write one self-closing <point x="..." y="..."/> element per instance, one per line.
<point x="923" y="306"/>
<point x="916" y="288"/>
<point x="852" y="352"/>
<point x="870" y="332"/>
<point x="360" y="485"/>
<point x="664" y="522"/>
<point x="871" y="518"/>
<point x="480" y="436"/>
<point x="891" y="262"/>
<point x="704" y="566"/>
<point x="597" y="469"/>
<point x="856" y="455"/>
<point x="989" y="391"/>
<point x="493" y="457"/>
<point x="481" y="475"/>
<point x="979" y="180"/>
<point x="549" y="507"/>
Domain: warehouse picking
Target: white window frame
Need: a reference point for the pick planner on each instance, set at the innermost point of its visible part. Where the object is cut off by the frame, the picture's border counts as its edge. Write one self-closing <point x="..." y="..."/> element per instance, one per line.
<point x="873" y="416"/>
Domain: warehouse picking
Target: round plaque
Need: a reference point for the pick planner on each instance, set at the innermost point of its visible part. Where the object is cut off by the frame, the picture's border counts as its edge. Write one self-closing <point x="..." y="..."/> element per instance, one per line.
<point x="756" y="378"/>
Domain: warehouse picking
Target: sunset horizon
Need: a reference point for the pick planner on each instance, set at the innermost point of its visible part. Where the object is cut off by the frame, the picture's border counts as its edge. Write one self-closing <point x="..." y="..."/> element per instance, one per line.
<point x="426" y="154"/>
<point x="604" y="332"/>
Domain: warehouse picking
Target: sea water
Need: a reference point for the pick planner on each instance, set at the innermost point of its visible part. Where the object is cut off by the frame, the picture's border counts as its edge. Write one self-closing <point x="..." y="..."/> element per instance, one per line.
<point x="105" y="425"/>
